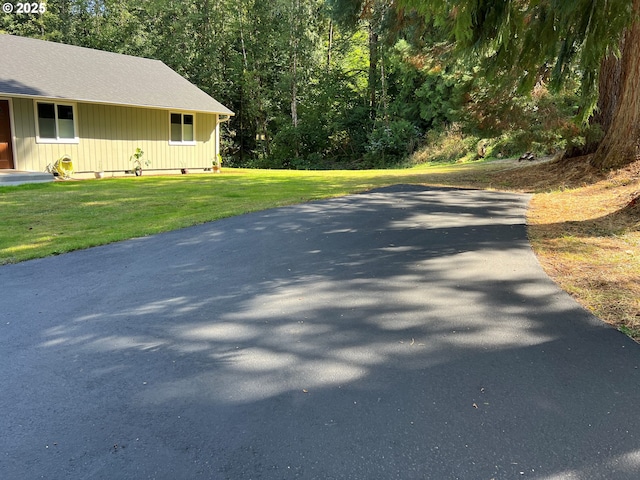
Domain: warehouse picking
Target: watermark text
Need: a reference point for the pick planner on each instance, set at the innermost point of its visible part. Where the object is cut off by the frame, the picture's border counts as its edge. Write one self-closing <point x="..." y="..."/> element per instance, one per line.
<point x="29" y="8"/>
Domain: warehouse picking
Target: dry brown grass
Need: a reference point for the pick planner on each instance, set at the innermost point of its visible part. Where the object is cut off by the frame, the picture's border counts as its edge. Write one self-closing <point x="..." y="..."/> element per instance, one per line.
<point x="584" y="226"/>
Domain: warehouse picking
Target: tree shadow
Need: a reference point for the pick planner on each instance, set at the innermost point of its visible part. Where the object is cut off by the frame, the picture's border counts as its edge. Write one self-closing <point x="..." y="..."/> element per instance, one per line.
<point x="403" y="333"/>
<point x="621" y="221"/>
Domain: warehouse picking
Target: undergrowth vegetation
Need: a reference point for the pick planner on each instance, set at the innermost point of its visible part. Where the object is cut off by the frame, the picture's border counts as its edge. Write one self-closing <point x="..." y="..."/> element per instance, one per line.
<point x="503" y="126"/>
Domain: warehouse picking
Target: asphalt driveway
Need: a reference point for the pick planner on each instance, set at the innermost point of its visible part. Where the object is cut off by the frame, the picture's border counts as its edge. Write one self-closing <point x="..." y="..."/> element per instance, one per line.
<point x="405" y="333"/>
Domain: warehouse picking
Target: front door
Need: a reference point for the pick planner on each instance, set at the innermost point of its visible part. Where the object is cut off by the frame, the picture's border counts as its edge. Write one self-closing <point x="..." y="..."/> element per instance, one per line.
<point x="6" y="153"/>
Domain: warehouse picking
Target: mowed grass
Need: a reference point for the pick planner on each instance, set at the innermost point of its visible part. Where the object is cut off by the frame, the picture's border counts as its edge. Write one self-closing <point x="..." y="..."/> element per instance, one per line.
<point x="47" y="219"/>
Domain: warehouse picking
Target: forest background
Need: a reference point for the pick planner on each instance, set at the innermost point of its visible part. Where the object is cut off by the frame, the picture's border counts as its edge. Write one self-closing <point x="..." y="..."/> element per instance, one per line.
<point x="368" y="83"/>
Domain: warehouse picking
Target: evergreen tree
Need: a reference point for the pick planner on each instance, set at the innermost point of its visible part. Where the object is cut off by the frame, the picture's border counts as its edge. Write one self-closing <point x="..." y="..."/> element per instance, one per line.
<point x="531" y="40"/>
<point x="621" y="143"/>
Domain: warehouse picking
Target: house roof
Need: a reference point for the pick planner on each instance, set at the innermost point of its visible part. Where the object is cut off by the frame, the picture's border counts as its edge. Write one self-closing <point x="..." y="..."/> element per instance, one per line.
<point x="37" y="68"/>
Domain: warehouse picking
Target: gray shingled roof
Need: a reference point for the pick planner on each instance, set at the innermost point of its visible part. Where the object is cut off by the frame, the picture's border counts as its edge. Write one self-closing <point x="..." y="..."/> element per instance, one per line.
<point x="36" y="68"/>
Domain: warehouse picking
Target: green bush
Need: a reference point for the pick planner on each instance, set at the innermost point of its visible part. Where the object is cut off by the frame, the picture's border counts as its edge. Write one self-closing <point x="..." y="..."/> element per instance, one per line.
<point x="542" y="122"/>
<point x="448" y="144"/>
<point x="390" y="142"/>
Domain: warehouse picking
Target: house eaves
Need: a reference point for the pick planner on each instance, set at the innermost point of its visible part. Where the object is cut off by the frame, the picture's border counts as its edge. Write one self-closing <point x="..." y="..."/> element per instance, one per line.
<point x="41" y="69"/>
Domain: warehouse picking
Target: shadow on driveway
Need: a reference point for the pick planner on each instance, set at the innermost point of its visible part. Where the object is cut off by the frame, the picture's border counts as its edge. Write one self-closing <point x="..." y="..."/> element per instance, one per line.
<point x="403" y="333"/>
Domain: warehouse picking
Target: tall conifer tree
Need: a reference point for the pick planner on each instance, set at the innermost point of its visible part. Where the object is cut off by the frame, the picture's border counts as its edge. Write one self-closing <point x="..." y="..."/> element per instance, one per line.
<point x="526" y="38"/>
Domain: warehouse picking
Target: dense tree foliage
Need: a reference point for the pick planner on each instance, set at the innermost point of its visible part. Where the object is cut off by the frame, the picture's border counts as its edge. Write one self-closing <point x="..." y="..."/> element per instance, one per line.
<point x="535" y="41"/>
<point x="364" y="83"/>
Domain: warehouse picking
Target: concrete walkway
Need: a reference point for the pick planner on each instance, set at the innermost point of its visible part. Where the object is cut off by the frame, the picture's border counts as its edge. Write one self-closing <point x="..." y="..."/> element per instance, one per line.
<point x="12" y="178"/>
<point x="406" y="333"/>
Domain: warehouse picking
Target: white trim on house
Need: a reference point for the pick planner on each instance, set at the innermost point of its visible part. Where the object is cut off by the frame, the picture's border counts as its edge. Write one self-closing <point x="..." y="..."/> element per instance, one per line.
<point x="184" y="132"/>
<point x="57" y="139"/>
<point x="220" y="119"/>
<point x="65" y="100"/>
<point x="13" y="131"/>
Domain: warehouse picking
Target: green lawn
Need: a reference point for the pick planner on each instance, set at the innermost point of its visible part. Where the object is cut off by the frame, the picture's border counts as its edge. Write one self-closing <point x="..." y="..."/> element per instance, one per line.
<point x="47" y="219"/>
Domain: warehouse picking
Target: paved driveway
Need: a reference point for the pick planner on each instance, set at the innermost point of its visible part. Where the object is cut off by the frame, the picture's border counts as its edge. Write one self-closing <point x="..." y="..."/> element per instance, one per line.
<point x="406" y="333"/>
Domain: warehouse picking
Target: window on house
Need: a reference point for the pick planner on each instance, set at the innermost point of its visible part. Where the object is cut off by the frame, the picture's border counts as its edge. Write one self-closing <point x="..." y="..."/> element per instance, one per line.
<point x="182" y="129"/>
<point x="55" y="123"/>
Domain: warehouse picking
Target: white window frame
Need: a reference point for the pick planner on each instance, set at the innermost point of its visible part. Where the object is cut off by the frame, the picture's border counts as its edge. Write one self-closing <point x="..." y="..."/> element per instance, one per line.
<point x="74" y="109"/>
<point x="182" y="142"/>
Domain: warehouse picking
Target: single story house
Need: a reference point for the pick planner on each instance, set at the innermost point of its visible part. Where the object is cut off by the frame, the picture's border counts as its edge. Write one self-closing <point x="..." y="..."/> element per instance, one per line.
<point x="98" y="107"/>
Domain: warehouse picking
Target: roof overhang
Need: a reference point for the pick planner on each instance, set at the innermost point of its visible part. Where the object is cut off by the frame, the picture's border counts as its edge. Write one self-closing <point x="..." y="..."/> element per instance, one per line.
<point x="39" y="69"/>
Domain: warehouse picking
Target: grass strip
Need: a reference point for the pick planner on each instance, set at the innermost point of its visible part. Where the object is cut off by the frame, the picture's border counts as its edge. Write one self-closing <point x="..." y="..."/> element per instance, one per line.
<point x="48" y="219"/>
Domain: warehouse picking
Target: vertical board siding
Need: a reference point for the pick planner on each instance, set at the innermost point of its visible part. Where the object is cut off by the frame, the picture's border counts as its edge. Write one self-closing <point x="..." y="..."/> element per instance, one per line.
<point x="109" y="135"/>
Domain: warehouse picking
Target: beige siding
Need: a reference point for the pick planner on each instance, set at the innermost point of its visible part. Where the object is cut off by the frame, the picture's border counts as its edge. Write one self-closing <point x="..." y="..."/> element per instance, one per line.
<point x="110" y="135"/>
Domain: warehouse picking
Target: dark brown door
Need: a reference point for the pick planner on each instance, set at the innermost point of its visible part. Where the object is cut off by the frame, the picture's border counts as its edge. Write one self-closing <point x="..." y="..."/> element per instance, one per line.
<point x="6" y="153"/>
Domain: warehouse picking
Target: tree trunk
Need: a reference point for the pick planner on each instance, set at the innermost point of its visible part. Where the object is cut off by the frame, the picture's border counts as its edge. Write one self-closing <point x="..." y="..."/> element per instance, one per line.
<point x="384" y="97"/>
<point x="294" y="40"/>
<point x="621" y="143"/>
<point x="294" y="90"/>
<point x="330" y="46"/>
<point x="373" y="69"/>
<point x="608" y="94"/>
